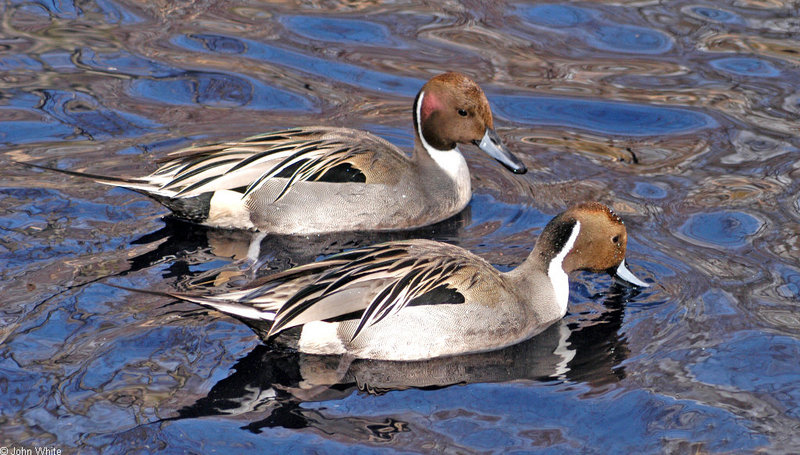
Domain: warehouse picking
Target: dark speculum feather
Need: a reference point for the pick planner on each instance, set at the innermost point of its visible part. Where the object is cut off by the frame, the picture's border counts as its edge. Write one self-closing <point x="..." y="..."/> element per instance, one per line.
<point x="352" y="316"/>
<point x="396" y="289"/>
<point x="334" y="170"/>
<point x="416" y="282"/>
<point x="186" y="175"/>
<point x="290" y="170"/>
<point x="438" y="295"/>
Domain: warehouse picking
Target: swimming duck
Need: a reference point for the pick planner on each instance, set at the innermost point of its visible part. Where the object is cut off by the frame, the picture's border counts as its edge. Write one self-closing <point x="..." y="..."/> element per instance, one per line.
<point x="420" y="299"/>
<point x="323" y="179"/>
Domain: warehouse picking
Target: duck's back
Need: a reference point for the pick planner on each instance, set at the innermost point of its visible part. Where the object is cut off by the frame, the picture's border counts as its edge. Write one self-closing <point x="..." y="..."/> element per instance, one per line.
<point x="306" y="180"/>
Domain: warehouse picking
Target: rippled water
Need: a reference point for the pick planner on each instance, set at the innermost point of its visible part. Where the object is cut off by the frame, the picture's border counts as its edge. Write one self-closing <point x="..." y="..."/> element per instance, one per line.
<point x="681" y="115"/>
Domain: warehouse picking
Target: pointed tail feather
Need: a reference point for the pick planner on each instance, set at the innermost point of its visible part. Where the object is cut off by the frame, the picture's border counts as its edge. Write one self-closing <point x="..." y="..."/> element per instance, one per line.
<point x="116" y="181"/>
<point x="244" y="312"/>
<point x="193" y="209"/>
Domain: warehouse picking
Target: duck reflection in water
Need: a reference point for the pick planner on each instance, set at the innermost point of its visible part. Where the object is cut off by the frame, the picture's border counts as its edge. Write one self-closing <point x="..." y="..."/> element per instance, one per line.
<point x="268" y="386"/>
<point x="183" y="244"/>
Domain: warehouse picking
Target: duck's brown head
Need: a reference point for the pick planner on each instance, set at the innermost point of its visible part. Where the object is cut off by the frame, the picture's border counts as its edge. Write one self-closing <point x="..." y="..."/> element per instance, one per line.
<point x="452" y="109"/>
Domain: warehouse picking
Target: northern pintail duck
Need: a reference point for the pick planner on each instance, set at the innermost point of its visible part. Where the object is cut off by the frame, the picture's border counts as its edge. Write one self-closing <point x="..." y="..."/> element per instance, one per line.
<point x="420" y="299"/>
<point x="322" y="179"/>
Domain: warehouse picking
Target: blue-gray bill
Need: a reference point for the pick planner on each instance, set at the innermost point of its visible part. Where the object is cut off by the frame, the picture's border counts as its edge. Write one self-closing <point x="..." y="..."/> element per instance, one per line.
<point x="493" y="146"/>
<point x="627" y="276"/>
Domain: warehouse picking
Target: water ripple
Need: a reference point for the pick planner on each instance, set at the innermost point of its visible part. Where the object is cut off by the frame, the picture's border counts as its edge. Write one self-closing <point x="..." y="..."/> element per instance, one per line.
<point x="218" y="90"/>
<point x="342" y="72"/>
<point x="726" y="229"/>
<point x="681" y="115"/>
<point x="340" y="30"/>
<point x="596" y="30"/>
<point x="626" y="119"/>
<point x="77" y="114"/>
<point x="714" y="14"/>
<point x="91" y="117"/>
<point x="746" y="66"/>
<point x="123" y="62"/>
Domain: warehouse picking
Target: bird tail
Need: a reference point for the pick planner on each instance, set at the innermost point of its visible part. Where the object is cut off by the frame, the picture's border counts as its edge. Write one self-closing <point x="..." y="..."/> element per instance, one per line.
<point x="193" y="209"/>
<point x="115" y="181"/>
<point x="260" y="320"/>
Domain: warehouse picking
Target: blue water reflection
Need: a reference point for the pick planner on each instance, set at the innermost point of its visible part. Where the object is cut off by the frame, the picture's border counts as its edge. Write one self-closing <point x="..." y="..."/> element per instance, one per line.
<point x="221" y="44"/>
<point x="596" y="30"/>
<point x="511" y="218"/>
<point x="704" y="361"/>
<point x="717" y="15"/>
<point x="123" y="62"/>
<point x="630" y="39"/>
<point x="19" y="62"/>
<point x="741" y="364"/>
<point x="340" y="30"/>
<point x="647" y="190"/>
<point x="342" y="72"/>
<point x="514" y="413"/>
<point x="92" y="118"/>
<point x="49" y="8"/>
<point x="728" y="229"/>
<point x="791" y="286"/>
<point x="218" y="90"/>
<point x="609" y="117"/>
<point x="20" y="132"/>
<point x="77" y="114"/>
<point x="717" y="303"/>
<point x="552" y="15"/>
<point x="746" y="66"/>
<point x="115" y="13"/>
<point x="59" y="60"/>
<point x="112" y="12"/>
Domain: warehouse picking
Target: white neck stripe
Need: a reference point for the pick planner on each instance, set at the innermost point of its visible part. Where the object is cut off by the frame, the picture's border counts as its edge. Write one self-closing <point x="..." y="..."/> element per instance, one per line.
<point x="558" y="277"/>
<point x="425" y="144"/>
<point x="451" y="161"/>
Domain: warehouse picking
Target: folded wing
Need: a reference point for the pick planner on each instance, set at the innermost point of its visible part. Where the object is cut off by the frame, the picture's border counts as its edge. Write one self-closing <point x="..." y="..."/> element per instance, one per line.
<point x="294" y="155"/>
<point x="367" y="284"/>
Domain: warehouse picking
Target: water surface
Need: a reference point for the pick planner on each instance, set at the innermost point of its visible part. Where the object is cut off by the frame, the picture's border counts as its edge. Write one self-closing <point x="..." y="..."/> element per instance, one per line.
<point x="683" y="116"/>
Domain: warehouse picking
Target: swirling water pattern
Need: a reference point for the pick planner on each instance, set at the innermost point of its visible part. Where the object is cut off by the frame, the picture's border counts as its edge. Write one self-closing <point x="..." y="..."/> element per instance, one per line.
<point x="681" y="115"/>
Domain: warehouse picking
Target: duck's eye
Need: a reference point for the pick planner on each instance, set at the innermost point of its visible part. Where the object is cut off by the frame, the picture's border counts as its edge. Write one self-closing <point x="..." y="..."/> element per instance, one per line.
<point x="615" y="239"/>
<point x="462" y="112"/>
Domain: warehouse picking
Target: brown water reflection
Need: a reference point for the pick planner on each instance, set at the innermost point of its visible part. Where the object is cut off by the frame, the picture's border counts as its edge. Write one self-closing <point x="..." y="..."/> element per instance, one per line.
<point x="681" y="115"/>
